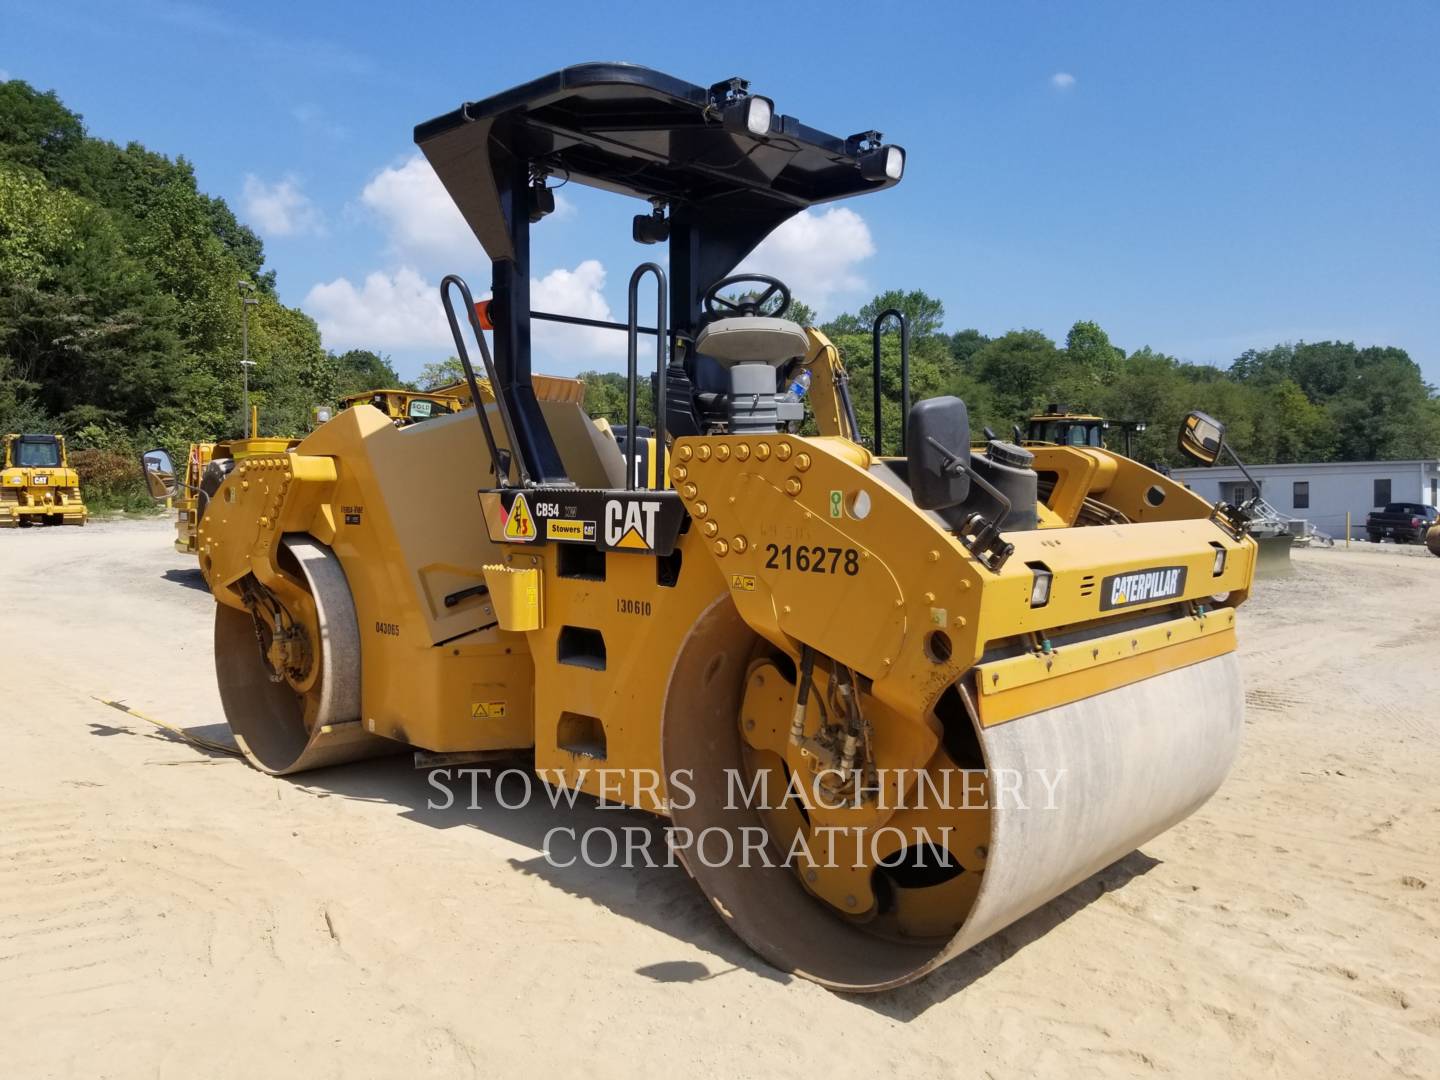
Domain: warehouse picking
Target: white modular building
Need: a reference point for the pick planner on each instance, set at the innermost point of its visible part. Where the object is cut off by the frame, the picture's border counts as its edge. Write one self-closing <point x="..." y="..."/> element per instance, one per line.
<point x="1322" y="492"/>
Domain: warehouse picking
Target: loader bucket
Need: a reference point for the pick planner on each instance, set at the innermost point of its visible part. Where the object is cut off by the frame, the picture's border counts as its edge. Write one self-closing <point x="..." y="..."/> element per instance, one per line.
<point x="1432" y="540"/>
<point x="1131" y="762"/>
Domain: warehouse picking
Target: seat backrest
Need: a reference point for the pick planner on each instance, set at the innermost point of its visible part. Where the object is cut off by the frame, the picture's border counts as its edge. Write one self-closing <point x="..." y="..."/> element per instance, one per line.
<point x="751" y="340"/>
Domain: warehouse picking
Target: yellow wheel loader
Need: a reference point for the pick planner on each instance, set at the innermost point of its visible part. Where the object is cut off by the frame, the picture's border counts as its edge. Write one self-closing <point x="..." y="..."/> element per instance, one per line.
<point x="887" y="704"/>
<point x="1066" y="427"/>
<point x="37" y="485"/>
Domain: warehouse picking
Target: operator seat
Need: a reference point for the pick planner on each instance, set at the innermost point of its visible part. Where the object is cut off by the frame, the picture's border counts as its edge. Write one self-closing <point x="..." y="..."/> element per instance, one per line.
<point x="698" y="392"/>
<point x="750" y="339"/>
<point x="750" y="350"/>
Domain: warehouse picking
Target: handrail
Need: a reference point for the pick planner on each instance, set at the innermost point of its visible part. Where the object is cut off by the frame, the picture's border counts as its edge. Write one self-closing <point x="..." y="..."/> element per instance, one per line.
<point x="632" y="359"/>
<point x="899" y="316"/>
<point x="600" y="324"/>
<point x="501" y="405"/>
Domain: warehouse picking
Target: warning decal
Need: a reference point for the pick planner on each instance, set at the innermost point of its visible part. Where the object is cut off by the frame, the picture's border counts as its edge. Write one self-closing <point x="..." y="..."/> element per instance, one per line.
<point x="519" y="524"/>
<point x="487" y="710"/>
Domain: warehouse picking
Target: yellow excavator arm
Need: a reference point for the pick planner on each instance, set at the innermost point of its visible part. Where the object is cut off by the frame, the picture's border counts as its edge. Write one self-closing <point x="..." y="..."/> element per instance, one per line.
<point x="829" y="394"/>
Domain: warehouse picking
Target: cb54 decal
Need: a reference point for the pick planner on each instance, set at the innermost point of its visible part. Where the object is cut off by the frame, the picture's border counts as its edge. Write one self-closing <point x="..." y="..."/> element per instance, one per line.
<point x="646" y="522"/>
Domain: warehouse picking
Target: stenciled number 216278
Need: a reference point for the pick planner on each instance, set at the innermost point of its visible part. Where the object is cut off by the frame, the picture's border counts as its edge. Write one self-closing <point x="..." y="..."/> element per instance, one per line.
<point x="812" y="559"/>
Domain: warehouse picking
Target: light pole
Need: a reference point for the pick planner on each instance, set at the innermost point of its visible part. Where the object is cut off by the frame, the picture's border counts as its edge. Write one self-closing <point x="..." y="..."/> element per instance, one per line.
<point x="246" y="303"/>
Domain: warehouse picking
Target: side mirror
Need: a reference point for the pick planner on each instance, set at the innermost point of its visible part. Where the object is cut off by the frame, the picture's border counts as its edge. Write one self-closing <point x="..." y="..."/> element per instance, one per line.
<point x="159" y="474"/>
<point x="937" y="451"/>
<point x="1201" y="438"/>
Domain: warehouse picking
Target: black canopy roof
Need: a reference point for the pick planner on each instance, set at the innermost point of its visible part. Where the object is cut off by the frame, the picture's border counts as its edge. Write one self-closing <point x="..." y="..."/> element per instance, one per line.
<point x="638" y="132"/>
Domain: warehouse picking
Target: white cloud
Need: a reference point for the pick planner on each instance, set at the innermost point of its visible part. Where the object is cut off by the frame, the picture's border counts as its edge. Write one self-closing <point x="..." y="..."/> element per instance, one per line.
<point x="418" y="217"/>
<point x="565" y="350"/>
<point x="421" y="221"/>
<point x="564" y="208"/>
<point x="389" y="311"/>
<point x="816" y="255"/>
<point x="281" y="208"/>
<point x="1062" y="81"/>
<point x="402" y="310"/>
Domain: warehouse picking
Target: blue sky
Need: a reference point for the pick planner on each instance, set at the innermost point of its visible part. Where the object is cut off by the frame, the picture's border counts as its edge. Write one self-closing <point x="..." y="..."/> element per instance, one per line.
<point x="1199" y="178"/>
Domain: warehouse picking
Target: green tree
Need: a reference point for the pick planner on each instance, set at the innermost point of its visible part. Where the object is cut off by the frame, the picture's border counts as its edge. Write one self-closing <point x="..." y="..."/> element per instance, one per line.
<point x="1022" y="369"/>
<point x="441" y="373"/>
<point x="37" y="131"/>
<point x="1088" y="347"/>
<point x="359" y="370"/>
<point x="964" y="344"/>
<point x="118" y="300"/>
<point x="924" y="314"/>
<point x="605" y="397"/>
<point x="80" y="320"/>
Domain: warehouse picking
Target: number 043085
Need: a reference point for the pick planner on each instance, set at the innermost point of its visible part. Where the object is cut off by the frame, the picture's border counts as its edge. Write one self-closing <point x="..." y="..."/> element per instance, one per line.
<point x="812" y="559"/>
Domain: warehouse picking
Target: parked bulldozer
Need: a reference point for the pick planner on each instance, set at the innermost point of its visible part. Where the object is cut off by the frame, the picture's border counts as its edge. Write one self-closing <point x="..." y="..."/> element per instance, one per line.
<point x="846" y="679"/>
<point x="37" y="484"/>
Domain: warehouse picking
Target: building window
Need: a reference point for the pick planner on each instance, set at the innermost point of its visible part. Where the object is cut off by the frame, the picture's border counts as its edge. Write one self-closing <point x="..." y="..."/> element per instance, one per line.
<point x="1236" y="491"/>
<point x="1434" y="492"/>
<point x="1382" y="492"/>
<point x="1300" y="498"/>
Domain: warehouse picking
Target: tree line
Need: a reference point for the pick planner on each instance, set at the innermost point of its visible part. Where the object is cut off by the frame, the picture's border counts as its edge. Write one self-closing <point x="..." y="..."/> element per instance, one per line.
<point x="120" y="325"/>
<point x="1317" y="401"/>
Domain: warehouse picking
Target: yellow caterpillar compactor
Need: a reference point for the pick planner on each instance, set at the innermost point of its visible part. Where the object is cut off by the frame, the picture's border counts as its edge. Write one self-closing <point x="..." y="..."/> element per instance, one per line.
<point x="850" y="681"/>
<point x="37" y="485"/>
<point x="188" y="491"/>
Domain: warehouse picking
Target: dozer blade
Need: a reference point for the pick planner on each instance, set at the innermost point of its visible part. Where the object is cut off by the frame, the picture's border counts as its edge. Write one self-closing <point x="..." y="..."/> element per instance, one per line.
<point x="1273" y="556"/>
<point x="282" y="731"/>
<point x="1131" y="762"/>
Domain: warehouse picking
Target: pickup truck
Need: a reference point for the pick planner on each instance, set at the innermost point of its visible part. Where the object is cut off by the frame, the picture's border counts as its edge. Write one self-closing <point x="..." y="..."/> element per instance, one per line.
<point x="1402" y="522"/>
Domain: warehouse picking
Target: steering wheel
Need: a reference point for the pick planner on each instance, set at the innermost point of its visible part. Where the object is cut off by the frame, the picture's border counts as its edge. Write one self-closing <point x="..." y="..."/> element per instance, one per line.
<point x="717" y="306"/>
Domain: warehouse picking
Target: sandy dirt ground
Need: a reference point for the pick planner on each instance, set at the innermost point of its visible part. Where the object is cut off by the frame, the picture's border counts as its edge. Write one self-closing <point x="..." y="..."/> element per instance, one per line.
<point x="165" y="912"/>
